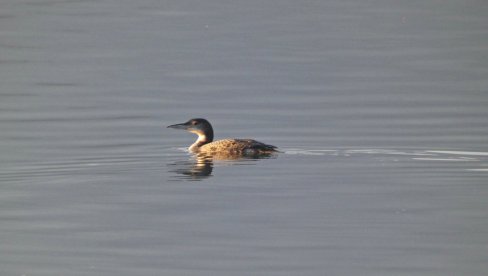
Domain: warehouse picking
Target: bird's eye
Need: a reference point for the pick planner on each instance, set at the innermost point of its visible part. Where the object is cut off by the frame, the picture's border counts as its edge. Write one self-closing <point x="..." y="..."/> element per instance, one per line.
<point x="194" y="123"/>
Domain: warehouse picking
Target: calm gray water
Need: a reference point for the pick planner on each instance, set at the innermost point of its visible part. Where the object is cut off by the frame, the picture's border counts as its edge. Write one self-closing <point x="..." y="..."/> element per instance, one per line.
<point x="379" y="109"/>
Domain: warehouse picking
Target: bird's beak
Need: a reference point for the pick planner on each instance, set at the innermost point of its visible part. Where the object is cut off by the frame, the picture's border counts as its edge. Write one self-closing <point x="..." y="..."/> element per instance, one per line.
<point x="179" y="126"/>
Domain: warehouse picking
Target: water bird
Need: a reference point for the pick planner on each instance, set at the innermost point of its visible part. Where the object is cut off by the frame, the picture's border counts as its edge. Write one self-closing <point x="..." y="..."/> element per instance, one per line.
<point x="231" y="147"/>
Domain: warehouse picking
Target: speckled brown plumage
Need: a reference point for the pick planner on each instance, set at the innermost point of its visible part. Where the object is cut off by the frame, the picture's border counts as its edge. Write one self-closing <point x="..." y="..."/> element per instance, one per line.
<point x="237" y="146"/>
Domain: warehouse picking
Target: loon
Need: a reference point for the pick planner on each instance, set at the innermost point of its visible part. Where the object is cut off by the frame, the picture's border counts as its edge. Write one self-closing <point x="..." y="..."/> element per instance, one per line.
<point x="205" y="144"/>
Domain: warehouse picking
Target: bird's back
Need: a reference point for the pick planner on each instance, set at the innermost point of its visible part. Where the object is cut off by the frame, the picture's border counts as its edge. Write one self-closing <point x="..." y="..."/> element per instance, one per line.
<point x="238" y="146"/>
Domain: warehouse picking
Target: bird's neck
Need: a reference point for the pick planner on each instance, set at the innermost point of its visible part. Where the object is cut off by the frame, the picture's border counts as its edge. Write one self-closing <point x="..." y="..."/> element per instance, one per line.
<point x="202" y="140"/>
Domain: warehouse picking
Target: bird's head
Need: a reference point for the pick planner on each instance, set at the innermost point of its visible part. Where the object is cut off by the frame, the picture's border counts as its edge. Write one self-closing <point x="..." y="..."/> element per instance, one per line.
<point x="199" y="126"/>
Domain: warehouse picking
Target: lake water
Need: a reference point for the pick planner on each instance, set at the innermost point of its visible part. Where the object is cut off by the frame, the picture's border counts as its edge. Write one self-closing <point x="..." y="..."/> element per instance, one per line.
<point x="379" y="109"/>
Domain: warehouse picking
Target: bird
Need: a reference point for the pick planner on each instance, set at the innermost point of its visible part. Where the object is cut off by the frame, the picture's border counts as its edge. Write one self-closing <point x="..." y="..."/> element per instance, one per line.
<point x="232" y="147"/>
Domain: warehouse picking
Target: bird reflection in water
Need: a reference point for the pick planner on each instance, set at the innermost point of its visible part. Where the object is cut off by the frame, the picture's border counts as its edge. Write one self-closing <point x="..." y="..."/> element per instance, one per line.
<point x="201" y="165"/>
<point x="196" y="169"/>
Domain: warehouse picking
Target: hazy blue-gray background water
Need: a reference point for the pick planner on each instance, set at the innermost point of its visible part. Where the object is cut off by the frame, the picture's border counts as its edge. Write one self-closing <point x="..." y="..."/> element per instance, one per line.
<point x="379" y="109"/>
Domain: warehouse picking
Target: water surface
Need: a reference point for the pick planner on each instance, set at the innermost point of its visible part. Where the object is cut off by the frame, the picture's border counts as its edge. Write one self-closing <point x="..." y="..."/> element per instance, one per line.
<point x="378" y="107"/>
